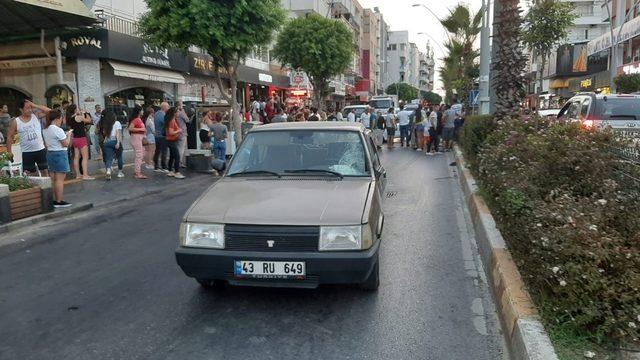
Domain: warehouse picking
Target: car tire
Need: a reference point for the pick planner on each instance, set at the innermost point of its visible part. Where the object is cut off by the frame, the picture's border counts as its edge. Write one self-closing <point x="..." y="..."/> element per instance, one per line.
<point x="212" y="284"/>
<point x="373" y="281"/>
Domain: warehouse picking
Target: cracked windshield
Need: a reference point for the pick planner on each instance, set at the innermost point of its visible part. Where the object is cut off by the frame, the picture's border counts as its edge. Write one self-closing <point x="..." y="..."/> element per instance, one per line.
<point x="320" y="179"/>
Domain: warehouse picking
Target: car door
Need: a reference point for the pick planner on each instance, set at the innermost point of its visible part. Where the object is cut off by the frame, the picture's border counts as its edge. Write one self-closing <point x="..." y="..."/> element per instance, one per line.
<point x="379" y="171"/>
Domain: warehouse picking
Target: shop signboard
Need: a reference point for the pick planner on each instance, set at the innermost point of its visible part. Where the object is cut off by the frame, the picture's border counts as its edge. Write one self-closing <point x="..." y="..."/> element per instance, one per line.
<point x="628" y="69"/>
<point x="104" y="44"/>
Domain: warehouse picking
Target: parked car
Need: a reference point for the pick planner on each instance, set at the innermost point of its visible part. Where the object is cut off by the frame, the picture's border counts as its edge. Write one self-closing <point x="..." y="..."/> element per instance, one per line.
<point x="359" y="110"/>
<point x="299" y="206"/>
<point x="618" y="112"/>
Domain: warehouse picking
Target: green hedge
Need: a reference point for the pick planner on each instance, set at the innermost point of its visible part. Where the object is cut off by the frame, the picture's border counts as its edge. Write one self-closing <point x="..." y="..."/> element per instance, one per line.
<point x="473" y="134"/>
<point x="569" y="214"/>
<point x="627" y="83"/>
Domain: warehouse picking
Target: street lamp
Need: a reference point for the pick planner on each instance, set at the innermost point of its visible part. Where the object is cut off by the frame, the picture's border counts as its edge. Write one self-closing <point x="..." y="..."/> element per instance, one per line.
<point x="436" y="16"/>
<point x="434" y="40"/>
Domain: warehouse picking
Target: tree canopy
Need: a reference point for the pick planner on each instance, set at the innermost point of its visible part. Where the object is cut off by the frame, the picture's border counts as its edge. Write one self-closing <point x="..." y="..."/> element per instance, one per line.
<point x="431" y="97"/>
<point x="546" y="26"/>
<point x="404" y="91"/>
<point x="460" y="65"/>
<point x="227" y="30"/>
<point x="321" y="47"/>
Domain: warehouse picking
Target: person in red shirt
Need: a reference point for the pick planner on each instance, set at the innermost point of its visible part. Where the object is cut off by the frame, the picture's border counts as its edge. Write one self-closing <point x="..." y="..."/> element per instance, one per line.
<point x="137" y="131"/>
<point x="172" y="131"/>
<point x="269" y="110"/>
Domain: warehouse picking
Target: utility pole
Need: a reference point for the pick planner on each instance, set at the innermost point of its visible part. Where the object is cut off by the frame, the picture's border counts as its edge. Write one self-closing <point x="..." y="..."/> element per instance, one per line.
<point x="617" y="51"/>
<point x="485" y="60"/>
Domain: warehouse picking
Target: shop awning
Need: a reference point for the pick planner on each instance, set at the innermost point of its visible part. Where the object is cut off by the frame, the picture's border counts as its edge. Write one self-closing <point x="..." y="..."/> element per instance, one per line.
<point x="24" y="17"/>
<point x="559" y="83"/>
<point x="144" y="73"/>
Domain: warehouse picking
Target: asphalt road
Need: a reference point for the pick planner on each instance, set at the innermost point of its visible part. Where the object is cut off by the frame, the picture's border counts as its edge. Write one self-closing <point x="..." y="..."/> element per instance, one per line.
<point x="107" y="287"/>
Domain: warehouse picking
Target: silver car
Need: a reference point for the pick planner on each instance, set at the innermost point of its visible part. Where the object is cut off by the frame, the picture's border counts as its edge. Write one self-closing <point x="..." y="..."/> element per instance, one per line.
<point x="299" y="206"/>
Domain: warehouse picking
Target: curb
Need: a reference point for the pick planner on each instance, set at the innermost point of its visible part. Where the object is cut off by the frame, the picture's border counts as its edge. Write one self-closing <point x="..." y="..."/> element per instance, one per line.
<point x="524" y="333"/>
<point x="19" y="224"/>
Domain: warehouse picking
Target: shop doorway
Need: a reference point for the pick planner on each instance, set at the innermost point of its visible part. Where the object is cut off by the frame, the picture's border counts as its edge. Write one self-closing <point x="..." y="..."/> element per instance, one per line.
<point x="122" y="102"/>
<point x="10" y="97"/>
<point x="57" y="94"/>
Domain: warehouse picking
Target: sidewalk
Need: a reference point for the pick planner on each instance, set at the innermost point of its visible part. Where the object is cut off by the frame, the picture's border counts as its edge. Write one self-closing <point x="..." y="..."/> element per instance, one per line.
<point x="100" y="191"/>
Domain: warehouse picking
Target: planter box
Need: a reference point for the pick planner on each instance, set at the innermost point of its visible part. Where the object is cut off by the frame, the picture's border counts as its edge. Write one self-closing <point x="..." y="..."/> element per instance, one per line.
<point x="25" y="203"/>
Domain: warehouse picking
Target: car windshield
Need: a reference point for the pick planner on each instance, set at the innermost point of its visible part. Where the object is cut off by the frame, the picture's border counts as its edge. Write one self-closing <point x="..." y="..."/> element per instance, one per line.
<point x="300" y="152"/>
<point x="381" y="103"/>
<point x="619" y="108"/>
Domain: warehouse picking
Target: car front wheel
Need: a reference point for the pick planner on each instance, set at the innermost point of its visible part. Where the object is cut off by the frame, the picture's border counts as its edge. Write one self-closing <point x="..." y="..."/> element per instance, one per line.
<point x="373" y="281"/>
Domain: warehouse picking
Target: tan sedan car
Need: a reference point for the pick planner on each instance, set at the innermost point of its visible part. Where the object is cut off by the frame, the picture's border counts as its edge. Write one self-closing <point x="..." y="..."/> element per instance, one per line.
<point x="299" y="206"/>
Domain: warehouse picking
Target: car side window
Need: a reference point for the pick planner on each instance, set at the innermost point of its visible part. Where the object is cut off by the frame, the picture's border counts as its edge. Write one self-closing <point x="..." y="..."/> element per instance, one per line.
<point x="584" y="111"/>
<point x="573" y="111"/>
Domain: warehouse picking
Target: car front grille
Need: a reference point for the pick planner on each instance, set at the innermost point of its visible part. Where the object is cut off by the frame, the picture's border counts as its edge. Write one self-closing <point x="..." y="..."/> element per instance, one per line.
<point x="281" y="238"/>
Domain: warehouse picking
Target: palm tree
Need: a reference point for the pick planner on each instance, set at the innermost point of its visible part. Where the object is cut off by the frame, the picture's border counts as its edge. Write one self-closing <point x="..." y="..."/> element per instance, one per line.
<point x="460" y="62"/>
<point x="509" y="61"/>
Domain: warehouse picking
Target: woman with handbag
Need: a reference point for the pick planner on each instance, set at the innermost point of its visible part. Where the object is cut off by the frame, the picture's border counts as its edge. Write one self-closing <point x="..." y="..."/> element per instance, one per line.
<point x="137" y="132"/>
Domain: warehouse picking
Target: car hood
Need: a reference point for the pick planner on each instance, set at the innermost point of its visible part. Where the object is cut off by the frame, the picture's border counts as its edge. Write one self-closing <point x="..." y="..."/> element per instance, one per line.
<point x="282" y="202"/>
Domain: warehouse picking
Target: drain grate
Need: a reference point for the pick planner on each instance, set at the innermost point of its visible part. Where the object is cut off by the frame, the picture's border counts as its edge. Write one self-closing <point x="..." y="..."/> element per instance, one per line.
<point x="391" y="194"/>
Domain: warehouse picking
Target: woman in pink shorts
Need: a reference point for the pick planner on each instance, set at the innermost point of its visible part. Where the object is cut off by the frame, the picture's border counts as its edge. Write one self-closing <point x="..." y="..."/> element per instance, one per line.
<point x="137" y="131"/>
<point x="78" y="121"/>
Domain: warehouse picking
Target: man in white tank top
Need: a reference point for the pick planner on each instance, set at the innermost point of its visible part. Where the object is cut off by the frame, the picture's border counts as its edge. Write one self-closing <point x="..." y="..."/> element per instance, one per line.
<point x="29" y="129"/>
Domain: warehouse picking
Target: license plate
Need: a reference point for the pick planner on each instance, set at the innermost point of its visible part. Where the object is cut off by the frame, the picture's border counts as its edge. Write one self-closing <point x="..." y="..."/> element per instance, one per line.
<point x="270" y="269"/>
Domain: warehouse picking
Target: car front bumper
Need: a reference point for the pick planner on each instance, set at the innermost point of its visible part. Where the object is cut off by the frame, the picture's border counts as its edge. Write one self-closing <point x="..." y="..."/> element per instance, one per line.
<point x="321" y="267"/>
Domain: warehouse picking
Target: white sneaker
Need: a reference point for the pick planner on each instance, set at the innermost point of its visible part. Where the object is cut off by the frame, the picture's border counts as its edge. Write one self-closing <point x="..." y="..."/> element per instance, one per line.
<point x="171" y="174"/>
<point x="429" y="154"/>
<point x="108" y="174"/>
<point x="149" y="167"/>
<point x="120" y="174"/>
<point x="418" y="149"/>
<point x="179" y="176"/>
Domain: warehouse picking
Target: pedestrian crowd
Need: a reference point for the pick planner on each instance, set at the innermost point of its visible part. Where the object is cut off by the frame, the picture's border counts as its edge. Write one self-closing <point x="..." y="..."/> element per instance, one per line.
<point x="53" y="142"/>
<point x="431" y="128"/>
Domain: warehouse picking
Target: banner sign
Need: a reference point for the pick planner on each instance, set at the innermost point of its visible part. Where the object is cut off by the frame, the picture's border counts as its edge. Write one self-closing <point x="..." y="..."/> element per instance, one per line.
<point x="630" y="30"/>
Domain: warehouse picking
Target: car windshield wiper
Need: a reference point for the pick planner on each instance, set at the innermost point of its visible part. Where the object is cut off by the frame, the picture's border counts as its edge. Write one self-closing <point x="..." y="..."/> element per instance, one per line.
<point x="256" y="172"/>
<point x="318" y="171"/>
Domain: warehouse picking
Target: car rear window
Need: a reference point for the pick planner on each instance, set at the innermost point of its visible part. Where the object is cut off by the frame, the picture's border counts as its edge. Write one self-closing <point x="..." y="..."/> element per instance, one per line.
<point x="618" y="108"/>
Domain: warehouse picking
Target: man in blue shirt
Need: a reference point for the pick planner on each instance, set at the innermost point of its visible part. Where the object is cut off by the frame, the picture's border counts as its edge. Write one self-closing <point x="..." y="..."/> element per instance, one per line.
<point x="160" y="155"/>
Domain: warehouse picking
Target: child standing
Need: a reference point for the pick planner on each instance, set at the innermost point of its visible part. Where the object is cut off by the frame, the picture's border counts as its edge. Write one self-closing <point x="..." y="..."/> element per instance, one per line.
<point x="57" y="142"/>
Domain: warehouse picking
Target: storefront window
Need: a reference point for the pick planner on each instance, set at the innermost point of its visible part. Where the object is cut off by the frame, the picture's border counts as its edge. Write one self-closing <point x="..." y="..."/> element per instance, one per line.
<point x="10" y="97"/>
<point x="57" y="94"/>
<point x="122" y="102"/>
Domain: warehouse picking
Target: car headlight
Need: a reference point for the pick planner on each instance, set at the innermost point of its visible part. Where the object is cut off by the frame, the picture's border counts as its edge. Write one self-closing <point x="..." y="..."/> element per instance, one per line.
<point x="337" y="238"/>
<point x="203" y="235"/>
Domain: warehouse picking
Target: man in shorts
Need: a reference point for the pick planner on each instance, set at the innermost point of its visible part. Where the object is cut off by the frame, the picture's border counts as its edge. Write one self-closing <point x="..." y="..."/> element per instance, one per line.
<point x="29" y="129"/>
<point x="448" y="130"/>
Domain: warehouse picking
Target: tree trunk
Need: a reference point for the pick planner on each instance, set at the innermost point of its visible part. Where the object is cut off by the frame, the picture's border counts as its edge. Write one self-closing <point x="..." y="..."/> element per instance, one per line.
<point x="319" y="92"/>
<point x="543" y="63"/>
<point x="236" y="117"/>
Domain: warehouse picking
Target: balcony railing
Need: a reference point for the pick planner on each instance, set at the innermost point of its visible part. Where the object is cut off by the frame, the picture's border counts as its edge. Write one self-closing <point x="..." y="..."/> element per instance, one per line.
<point x="119" y="24"/>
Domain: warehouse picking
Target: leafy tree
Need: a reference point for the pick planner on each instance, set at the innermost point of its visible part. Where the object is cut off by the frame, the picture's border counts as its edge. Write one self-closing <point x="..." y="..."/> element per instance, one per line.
<point x="627" y="83"/>
<point x="460" y="63"/>
<point x="404" y="91"/>
<point x="546" y="26"/>
<point x="509" y="61"/>
<point x="321" y="47"/>
<point x="227" y="30"/>
<point x="431" y="97"/>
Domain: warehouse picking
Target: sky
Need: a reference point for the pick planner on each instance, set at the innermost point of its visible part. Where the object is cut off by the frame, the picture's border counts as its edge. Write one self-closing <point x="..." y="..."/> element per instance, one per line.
<point x="400" y="15"/>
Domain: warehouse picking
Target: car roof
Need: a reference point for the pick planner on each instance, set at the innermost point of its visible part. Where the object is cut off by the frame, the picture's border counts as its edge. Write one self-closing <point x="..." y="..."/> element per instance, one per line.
<point x="311" y="125"/>
<point x="610" y="96"/>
